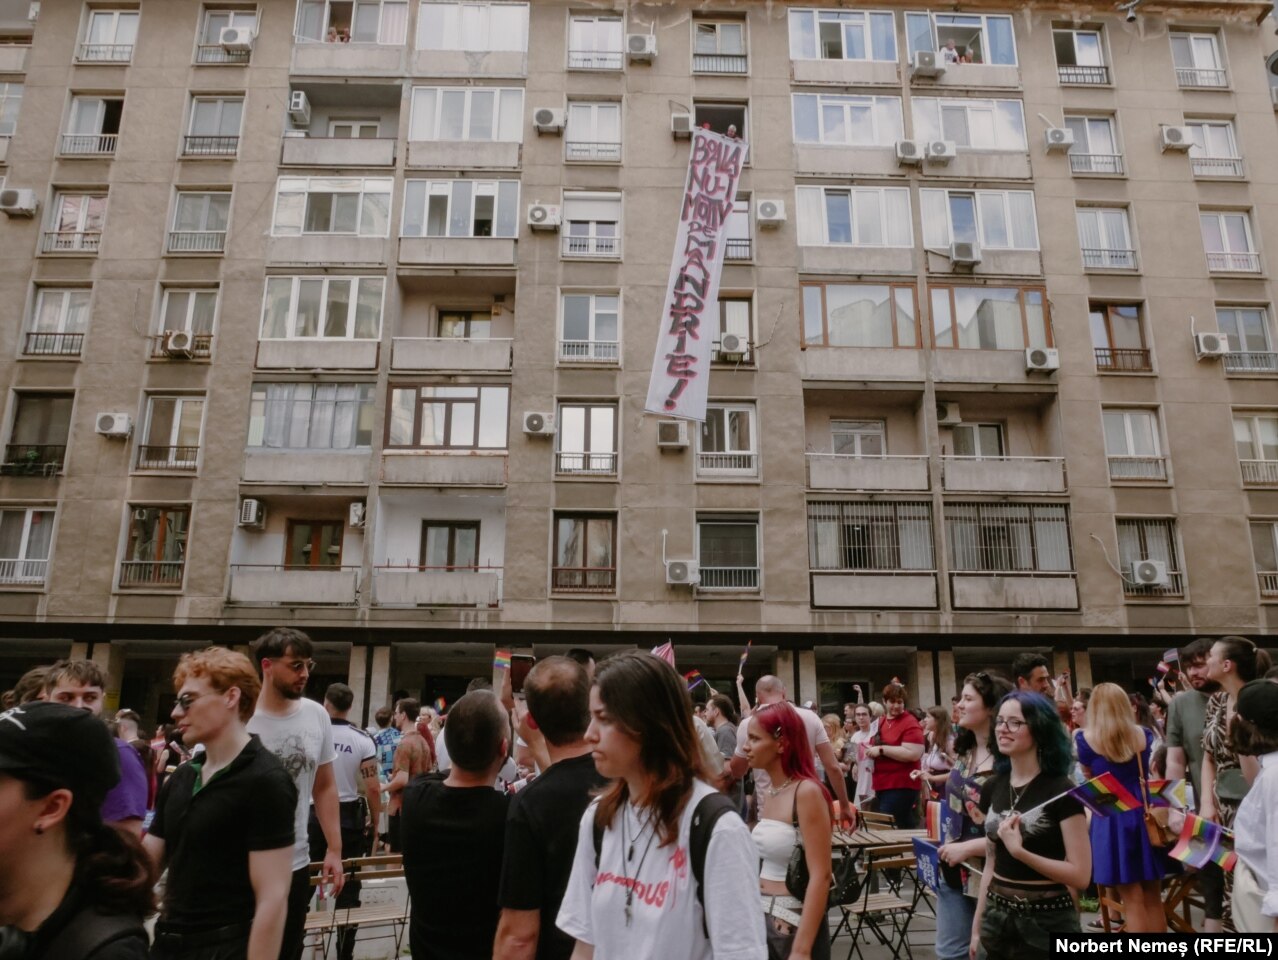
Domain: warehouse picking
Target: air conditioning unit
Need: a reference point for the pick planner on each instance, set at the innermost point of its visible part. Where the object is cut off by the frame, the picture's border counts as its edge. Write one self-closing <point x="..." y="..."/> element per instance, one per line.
<point x="1273" y="95"/>
<point x="1175" y="138"/>
<point x="1042" y="360"/>
<point x="926" y="63"/>
<point x="641" y="47"/>
<point x="236" y="39"/>
<point x="356" y="514"/>
<point x="731" y="347"/>
<point x="299" y="108"/>
<point x="941" y="151"/>
<point x="1149" y="573"/>
<point x="672" y="434"/>
<point x="548" y="120"/>
<point x="909" y="151"/>
<point x="178" y="344"/>
<point x="1058" y="139"/>
<point x="964" y="253"/>
<point x="539" y="424"/>
<point x="1209" y="346"/>
<point x="681" y="125"/>
<point x="544" y="216"/>
<point x="252" y="513"/>
<point x="769" y="213"/>
<point x="19" y="203"/>
<point x="685" y="573"/>
<point x="947" y="414"/>
<point x="118" y="425"/>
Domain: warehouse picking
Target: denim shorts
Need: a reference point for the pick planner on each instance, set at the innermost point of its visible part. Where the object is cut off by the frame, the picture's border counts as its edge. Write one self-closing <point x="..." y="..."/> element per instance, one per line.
<point x="1013" y="934"/>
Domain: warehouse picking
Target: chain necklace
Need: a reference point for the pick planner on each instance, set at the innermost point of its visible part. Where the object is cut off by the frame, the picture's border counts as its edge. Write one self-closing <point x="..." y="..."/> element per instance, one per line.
<point x="1017" y="794"/>
<point x="773" y="791"/>
<point x="630" y="855"/>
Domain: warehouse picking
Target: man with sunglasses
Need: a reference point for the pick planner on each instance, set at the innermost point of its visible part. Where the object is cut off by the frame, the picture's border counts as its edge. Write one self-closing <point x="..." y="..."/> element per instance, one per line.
<point x="298" y="732"/>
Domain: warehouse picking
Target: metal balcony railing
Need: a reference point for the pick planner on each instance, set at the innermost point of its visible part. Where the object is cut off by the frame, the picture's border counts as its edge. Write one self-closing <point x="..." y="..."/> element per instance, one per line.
<point x="589" y="351"/>
<point x="52" y="344"/>
<point x="201" y="346"/>
<point x="593" y="150"/>
<point x="88" y="144"/>
<point x="178" y="459"/>
<point x="13" y="572"/>
<point x="1201" y="77"/>
<point x="1234" y="262"/>
<point x="584" y="579"/>
<point x="1216" y="166"/>
<point x="151" y="573"/>
<point x="33" y="459"/>
<point x="105" y="53"/>
<point x="1268" y="583"/>
<point x="737" y="248"/>
<point x="1111" y="163"/>
<point x="197" y="241"/>
<point x="1175" y="587"/>
<point x="729" y="578"/>
<point x="69" y="241"/>
<point x="736" y="63"/>
<point x="1259" y="472"/>
<point x="209" y="146"/>
<point x="1137" y="468"/>
<point x="595" y="59"/>
<point x="1077" y="73"/>
<point x="590" y="246"/>
<point x="586" y="463"/>
<point x="729" y="463"/>
<point x="1251" y="361"/>
<point x="216" y="53"/>
<point x="1109" y="259"/>
<point x="1126" y="359"/>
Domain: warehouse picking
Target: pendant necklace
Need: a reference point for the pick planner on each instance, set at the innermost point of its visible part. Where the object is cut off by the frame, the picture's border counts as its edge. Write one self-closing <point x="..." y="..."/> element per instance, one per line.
<point x="630" y="887"/>
<point x="773" y="791"/>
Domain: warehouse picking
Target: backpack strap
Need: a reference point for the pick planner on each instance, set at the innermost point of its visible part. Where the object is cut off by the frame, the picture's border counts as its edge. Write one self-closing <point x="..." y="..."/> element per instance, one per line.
<point x="704" y="817"/>
<point x="88" y="931"/>
<point x="598" y="832"/>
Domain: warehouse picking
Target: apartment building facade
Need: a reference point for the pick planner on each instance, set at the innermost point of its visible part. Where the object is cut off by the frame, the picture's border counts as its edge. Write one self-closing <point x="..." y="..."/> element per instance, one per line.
<point x="341" y="315"/>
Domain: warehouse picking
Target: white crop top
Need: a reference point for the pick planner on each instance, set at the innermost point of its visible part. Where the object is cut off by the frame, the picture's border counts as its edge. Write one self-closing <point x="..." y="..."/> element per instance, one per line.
<point x="776" y="841"/>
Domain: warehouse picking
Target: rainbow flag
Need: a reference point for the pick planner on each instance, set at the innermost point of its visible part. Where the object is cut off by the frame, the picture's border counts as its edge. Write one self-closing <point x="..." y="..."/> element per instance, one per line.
<point x="1168" y="793"/>
<point x="501" y="660"/>
<point x="745" y="655"/>
<point x="1202" y="842"/>
<point x="694" y="678"/>
<point x="934" y="820"/>
<point x="440" y="704"/>
<point x="1104" y="795"/>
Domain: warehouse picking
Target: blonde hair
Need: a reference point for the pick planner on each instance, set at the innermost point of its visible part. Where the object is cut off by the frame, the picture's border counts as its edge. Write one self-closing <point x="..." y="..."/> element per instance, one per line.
<point x="833" y="724"/>
<point x="1110" y="728"/>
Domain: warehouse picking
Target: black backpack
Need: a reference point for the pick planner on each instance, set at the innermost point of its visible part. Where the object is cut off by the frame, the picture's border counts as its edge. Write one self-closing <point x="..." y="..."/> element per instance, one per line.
<point x="704" y="817"/>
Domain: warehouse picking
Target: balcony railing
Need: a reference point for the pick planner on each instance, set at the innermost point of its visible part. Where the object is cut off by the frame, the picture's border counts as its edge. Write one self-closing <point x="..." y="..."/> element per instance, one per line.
<point x="1124" y="359"/>
<point x="209" y="146"/>
<point x="729" y="578"/>
<point x="52" y="344"/>
<point x="737" y="248"/>
<point x="1251" y="361"/>
<point x="1137" y="468"/>
<point x="1111" y="163"/>
<point x="720" y="63"/>
<point x="151" y="573"/>
<point x="68" y="241"/>
<point x="1175" y="587"/>
<point x="589" y="351"/>
<point x="216" y="53"/>
<point x="1201" y="77"/>
<point x="182" y="458"/>
<point x="1108" y="259"/>
<point x="1268" y="583"/>
<point x="595" y="59"/>
<point x="1077" y="73"/>
<point x="1260" y="472"/>
<point x="197" y="241"/>
<point x="586" y="464"/>
<point x="584" y="579"/>
<point x="593" y="150"/>
<point x="33" y="459"/>
<point x="1234" y="262"/>
<point x="1216" y="166"/>
<point x="590" y="246"/>
<point x="105" y="53"/>
<point x="14" y="572"/>
<point x="88" y="144"/>
<point x="728" y="463"/>
<point x="201" y="346"/>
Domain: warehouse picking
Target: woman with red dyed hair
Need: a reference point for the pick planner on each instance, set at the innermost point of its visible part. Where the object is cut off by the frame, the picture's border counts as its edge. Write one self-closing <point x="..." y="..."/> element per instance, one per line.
<point x="796" y="808"/>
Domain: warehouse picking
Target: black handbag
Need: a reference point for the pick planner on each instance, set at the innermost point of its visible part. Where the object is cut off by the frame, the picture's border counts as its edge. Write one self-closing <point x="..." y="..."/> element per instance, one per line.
<point x="845" y="880"/>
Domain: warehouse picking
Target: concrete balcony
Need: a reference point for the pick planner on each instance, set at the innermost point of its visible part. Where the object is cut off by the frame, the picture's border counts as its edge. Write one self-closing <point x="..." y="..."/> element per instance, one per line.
<point x="263" y="465"/>
<point x="852" y="363"/>
<point x="457" y="251"/>
<point x="317" y="354"/>
<point x="985" y="165"/>
<point x="282" y="586"/>
<point x="428" y="468"/>
<point x="818" y="160"/>
<point x="983" y="366"/>
<point x="449" y="353"/>
<point x="465" y="154"/>
<point x="4" y="149"/>
<point x="836" y="471"/>
<point x="878" y="589"/>
<point x="1014" y="591"/>
<point x="13" y="58"/>
<point x="348" y="59"/>
<point x="847" y="72"/>
<point x="337" y="152"/>
<point x="470" y="63"/>
<point x="326" y="250"/>
<point x="994" y="263"/>
<point x="1003" y="474"/>
<point x="427" y="587"/>
<point x="981" y="76"/>
<point x="847" y="258"/>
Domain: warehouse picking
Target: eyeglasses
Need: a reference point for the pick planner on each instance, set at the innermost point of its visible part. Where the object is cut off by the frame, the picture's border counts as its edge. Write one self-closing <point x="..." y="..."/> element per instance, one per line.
<point x="184" y="702"/>
<point x="1011" y="724"/>
<point x="299" y="666"/>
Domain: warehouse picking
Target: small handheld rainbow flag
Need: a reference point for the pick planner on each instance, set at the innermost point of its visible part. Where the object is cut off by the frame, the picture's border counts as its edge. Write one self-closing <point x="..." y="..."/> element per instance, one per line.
<point x="1202" y="842"/>
<point x="1168" y="793"/>
<point x="745" y="655"/>
<point x="694" y="678"/>
<point x="934" y="820"/>
<point x="501" y="660"/>
<point x="1104" y="795"/>
<point x="440" y="704"/>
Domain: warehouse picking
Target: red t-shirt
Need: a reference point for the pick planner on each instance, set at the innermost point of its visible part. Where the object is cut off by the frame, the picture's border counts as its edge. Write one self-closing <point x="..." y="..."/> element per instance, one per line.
<point x="890" y="774"/>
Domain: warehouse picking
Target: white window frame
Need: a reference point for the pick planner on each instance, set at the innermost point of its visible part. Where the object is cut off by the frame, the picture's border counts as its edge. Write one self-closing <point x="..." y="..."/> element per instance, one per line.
<point x="886" y="120"/>
<point x="475" y="12"/>
<point x="117" y="16"/>
<point x="1075" y="33"/>
<point x="590" y="146"/>
<point x="1192" y="76"/>
<point x="447" y="188"/>
<point x="938" y="232"/>
<point x="365" y="188"/>
<point x="929" y="122"/>
<point x="10" y="107"/>
<point x="1203" y="157"/>
<point x="500" y="96"/>
<point x="731" y="462"/>
<point x="207" y="197"/>
<point x="391" y="31"/>
<point x="584" y="457"/>
<point x="814" y="234"/>
<point x="1083" y="158"/>
<point x="241" y="17"/>
<point x="173" y="461"/>
<point x="83" y="236"/>
<point x="974" y="429"/>
<point x="18" y="570"/>
<point x="594" y="349"/>
<point x="1128" y="416"/>
<point x="731" y="324"/>
<point x="596" y="53"/>
<point x="912" y="48"/>
<point x="99" y="102"/>
<point x="591" y="243"/>
<point x="363" y="394"/>
<point x="1267" y="579"/>
<point x="1248" y="421"/>
<point x="222" y="102"/>
<point x="357" y="283"/>
<point x="64" y="310"/>
<point x="861" y="19"/>
<point x="188" y="319"/>
<point x="1107" y="254"/>
<point x="1229" y="255"/>
<point x="711" y="26"/>
<point x="856" y="433"/>
<point x="1235" y="337"/>
<point x="357" y="126"/>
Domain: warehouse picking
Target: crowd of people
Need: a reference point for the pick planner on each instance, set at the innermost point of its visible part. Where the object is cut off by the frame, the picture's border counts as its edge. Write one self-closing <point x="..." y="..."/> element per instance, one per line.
<point x="598" y="812"/>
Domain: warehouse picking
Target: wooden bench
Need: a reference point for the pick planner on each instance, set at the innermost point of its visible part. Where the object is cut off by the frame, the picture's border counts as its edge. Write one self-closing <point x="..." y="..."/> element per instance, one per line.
<point x="324" y="925"/>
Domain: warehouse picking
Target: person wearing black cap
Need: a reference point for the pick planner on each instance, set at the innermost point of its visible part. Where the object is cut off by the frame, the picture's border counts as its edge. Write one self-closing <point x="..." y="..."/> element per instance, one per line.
<point x="1254" y="732"/>
<point x="72" y="887"/>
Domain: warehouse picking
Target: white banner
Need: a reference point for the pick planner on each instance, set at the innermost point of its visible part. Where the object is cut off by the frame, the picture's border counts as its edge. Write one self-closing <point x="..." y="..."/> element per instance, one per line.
<point x="690" y="321"/>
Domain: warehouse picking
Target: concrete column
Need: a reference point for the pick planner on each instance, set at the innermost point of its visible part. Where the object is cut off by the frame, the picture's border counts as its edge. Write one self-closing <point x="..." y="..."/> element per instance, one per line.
<point x="784" y="668"/>
<point x="110" y="657"/>
<point x="79" y="650"/>
<point x="949" y="680"/>
<point x="808" y="687"/>
<point x="1060" y="664"/>
<point x="379" y="686"/>
<point x="1082" y="670"/>
<point x="355" y="674"/>
<point x="922" y="683"/>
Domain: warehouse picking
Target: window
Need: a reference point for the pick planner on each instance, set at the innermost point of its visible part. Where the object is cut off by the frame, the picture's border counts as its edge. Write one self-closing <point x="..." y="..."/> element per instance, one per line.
<point x="1095" y="148"/>
<point x="1008" y="538"/>
<point x="857" y="438"/>
<point x="192" y="310"/>
<point x="737" y="243"/>
<point x="1256" y="438"/>
<point x="594" y="132"/>
<point x="314" y="544"/>
<point x="354" y="129"/>
<point x="992" y="219"/>
<point x="110" y="36"/>
<point x="989" y="318"/>
<point x="1149" y="539"/>
<point x="735" y="320"/>
<point x="171" y="438"/>
<point x="727" y="443"/>
<point x="76" y="223"/>
<point x="860" y="315"/>
<point x="1080" y="56"/>
<point x="585" y="553"/>
<point x="729" y="552"/>
<point x="856" y="216"/>
<point x="58" y="323"/>
<point x="595" y="43"/>
<point x="473" y="27"/>
<point x="450" y="545"/>
<point x="38" y="435"/>
<point x="1215" y="150"/>
<point x="1197" y="59"/>
<point x="461" y="208"/>
<point x="1105" y="238"/>
<point x="214" y="130"/>
<point x="465" y="325"/>
<point x="1250" y="344"/>
<point x="974" y="39"/>
<point x="10" y="106"/>
<point x="586" y="438"/>
<point x="199" y="222"/>
<point x="210" y="49"/>
<point x="1228" y="241"/>
<point x="1264" y="545"/>
<point x="971" y="124"/>
<point x="26" y="534"/>
<point x="155" y="555"/>
<point x="591" y="327"/>
<point x="842" y="35"/>
<point x="728" y="119"/>
<point x="467" y="113"/>
<point x="93" y="126"/>
<point x="1118" y="338"/>
<point x="447" y="417"/>
<point x="351" y="206"/>
<point x="840" y="121"/>
<point x="330" y="308"/>
<point x="353" y="21"/>
<point x="1132" y="445"/>
<point x="591" y="224"/>
<point x="870" y="536"/>
<point x="719" y="46"/>
<point x="977" y="441"/>
<point x="311" y="416"/>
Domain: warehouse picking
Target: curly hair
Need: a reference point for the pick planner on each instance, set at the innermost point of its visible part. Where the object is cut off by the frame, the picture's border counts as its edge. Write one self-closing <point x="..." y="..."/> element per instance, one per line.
<point x="991" y="688"/>
<point x="1047" y="731"/>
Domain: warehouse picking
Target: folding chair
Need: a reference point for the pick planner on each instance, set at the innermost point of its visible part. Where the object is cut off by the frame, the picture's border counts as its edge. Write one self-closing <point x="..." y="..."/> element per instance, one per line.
<point x="326" y="924"/>
<point x="875" y="913"/>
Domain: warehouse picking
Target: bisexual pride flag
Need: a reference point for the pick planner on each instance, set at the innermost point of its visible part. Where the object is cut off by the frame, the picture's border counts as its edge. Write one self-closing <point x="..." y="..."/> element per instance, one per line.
<point x="1202" y="842"/>
<point x="1104" y="795"/>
